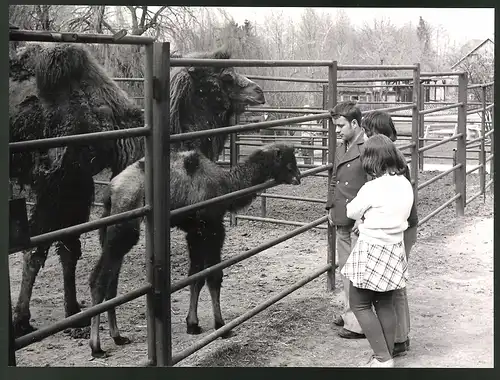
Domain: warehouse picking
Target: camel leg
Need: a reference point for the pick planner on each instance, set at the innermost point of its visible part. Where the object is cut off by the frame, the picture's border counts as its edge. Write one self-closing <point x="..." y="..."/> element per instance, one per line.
<point x="215" y="234"/>
<point x="33" y="260"/>
<point x="116" y="242"/>
<point x="114" y="332"/>
<point x="69" y="251"/>
<point x="195" y="245"/>
<point x="99" y="283"/>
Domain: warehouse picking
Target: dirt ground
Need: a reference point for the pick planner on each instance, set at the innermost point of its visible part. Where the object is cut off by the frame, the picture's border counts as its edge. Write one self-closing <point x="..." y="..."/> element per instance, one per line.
<point x="450" y="292"/>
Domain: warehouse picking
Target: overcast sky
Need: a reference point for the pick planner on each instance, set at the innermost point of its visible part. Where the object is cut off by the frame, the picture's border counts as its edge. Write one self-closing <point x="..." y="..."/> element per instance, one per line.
<point x="461" y="24"/>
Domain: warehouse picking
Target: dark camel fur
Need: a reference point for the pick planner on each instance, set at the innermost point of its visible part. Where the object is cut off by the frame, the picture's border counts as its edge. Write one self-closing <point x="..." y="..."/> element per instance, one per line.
<point x="193" y="178"/>
<point x="61" y="90"/>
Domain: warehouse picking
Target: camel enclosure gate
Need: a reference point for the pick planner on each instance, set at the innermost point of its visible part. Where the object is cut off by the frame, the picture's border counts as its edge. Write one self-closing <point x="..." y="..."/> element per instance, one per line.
<point x="157" y="211"/>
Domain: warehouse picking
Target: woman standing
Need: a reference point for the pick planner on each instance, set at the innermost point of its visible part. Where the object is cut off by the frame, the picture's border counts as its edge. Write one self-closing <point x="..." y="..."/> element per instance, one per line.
<point x="380" y="122"/>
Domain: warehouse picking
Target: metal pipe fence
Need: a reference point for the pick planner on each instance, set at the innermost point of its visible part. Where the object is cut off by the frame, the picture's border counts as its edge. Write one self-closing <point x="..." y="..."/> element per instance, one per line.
<point x="422" y="148"/>
<point x="154" y="151"/>
<point x="157" y="209"/>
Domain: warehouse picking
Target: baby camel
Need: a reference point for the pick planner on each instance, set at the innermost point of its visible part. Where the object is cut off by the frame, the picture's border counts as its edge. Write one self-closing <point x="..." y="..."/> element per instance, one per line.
<point x="193" y="178"/>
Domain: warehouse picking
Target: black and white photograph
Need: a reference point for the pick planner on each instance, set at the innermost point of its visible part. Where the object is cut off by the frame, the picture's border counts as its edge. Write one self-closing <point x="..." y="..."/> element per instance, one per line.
<point x="201" y="186"/>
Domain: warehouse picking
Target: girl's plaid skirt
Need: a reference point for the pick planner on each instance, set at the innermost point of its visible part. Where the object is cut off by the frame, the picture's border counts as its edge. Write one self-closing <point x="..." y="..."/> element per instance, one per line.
<point x="377" y="267"/>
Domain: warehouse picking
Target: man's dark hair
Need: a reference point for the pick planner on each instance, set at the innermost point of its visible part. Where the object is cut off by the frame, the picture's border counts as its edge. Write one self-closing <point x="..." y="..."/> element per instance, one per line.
<point x="379" y="122"/>
<point x="349" y="110"/>
<point x="382" y="156"/>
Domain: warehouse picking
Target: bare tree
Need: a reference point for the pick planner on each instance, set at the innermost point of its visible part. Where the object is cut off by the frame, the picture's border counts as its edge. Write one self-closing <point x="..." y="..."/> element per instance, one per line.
<point x="480" y="69"/>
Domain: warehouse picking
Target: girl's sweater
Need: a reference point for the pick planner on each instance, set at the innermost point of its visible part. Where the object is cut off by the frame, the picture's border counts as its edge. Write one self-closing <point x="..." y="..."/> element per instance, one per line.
<point x="385" y="202"/>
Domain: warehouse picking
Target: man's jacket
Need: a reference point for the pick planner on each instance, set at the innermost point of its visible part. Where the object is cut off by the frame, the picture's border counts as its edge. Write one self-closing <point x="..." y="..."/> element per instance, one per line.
<point x="348" y="177"/>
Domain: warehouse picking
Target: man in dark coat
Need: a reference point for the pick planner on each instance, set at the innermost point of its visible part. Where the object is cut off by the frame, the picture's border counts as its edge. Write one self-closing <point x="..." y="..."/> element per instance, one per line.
<point x="348" y="177"/>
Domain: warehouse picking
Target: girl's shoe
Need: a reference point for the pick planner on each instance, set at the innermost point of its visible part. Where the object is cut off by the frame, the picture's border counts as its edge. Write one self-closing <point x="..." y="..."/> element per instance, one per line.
<point x="375" y="363"/>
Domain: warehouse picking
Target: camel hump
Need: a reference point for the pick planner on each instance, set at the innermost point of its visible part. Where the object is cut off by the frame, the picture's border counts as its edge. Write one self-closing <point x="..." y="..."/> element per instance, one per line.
<point x="61" y="66"/>
<point x="62" y="69"/>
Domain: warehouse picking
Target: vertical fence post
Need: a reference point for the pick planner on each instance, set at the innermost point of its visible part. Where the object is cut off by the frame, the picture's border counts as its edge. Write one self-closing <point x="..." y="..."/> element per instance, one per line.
<point x="148" y="118"/>
<point x="324" y="122"/>
<point x="415" y="130"/>
<point x="236" y="139"/>
<point x="233" y="160"/>
<point x="454" y="163"/>
<point x="161" y="203"/>
<point x="263" y="205"/>
<point x="461" y="147"/>
<point x="421" y="127"/>
<point x="332" y="145"/>
<point x="482" y="153"/>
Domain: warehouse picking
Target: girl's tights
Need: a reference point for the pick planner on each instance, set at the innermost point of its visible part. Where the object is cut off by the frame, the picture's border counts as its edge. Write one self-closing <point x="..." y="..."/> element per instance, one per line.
<point x="380" y="328"/>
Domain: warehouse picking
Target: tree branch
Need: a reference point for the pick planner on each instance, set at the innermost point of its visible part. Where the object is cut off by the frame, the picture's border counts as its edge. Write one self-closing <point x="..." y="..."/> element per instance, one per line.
<point x="109" y="27"/>
<point x="154" y="19"/>
<point x="143" y="16"/>
<point x="100" y="18"/>
<point x="133" y="14"/>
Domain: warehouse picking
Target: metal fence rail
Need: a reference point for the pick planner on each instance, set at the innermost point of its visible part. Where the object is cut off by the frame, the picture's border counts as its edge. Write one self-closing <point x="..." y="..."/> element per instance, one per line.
<point x="249" y="314"/>
<point x="439" y="209"/>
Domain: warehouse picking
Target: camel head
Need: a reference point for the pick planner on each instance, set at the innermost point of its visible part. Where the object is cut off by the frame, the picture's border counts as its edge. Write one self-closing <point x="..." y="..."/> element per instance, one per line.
<point x="282" y="161"/>
<point x="240" y="90"/>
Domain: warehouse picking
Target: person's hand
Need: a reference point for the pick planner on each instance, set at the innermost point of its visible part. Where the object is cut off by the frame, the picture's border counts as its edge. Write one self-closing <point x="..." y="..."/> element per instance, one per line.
<point x="355" y="229"/>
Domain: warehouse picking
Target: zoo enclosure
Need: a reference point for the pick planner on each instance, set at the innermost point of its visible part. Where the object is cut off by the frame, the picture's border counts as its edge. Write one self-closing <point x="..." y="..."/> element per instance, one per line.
<point x="156" y="210"/>
<point x="483" y="141"/>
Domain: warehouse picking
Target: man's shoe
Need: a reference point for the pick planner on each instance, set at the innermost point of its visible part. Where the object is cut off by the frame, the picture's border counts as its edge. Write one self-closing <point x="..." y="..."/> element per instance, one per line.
<point x="346" y="334"/>
<point x="400" y="349"/>
<point x="339" y="321"/>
